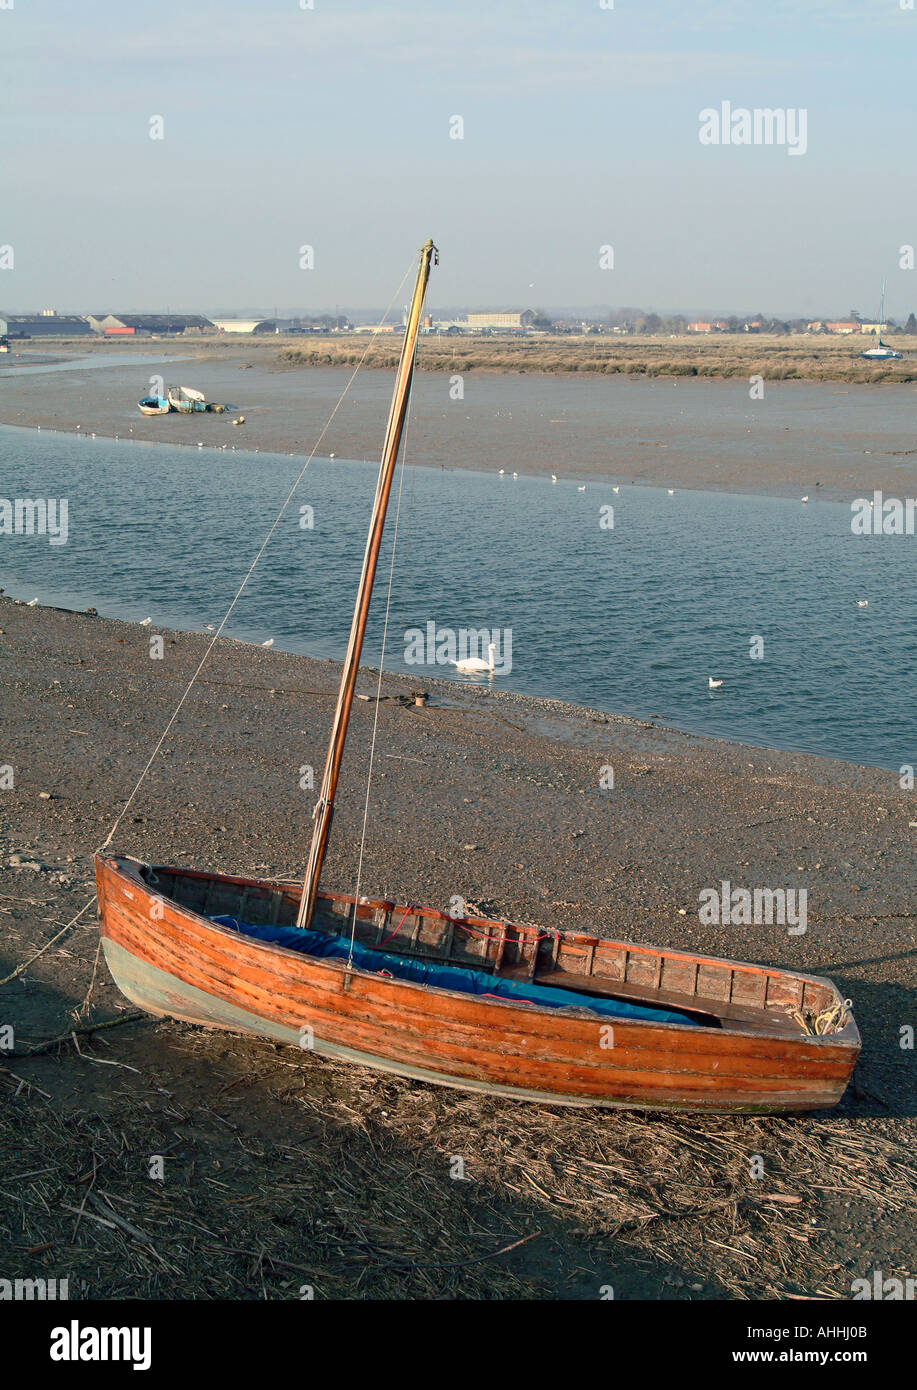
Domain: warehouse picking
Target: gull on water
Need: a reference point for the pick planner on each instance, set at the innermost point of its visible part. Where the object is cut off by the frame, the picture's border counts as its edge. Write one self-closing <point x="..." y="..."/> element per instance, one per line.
<point x="616" y="489"/>
<point x="268" y="643"/>
<point x="553" y="477"/>
<point x="714" y="685"/>
<point x="581" y="489"/>
<point x="804" y="499"/>
<point x="862" y="603"/>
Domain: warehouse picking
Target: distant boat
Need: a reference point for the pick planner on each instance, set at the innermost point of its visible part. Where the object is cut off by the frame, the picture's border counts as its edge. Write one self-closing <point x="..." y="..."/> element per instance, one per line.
<point x="185" y="399"/>
<point x="881" y="352"/>
<point x="154" y="405"/>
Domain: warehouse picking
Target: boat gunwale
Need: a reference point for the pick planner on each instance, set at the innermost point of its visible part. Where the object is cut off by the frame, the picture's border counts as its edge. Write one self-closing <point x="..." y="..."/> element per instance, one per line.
<point x="128" y="868"/>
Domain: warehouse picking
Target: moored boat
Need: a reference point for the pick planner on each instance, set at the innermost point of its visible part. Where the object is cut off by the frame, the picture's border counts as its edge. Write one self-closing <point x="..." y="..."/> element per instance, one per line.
<point x="482" y="1004"/>
<point x="479" y="1004"/>
<point x="185" y="399"/>
<point x="154" y="405"/>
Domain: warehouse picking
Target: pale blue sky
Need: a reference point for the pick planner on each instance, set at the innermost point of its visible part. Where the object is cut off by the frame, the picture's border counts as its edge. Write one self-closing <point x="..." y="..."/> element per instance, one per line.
<point x="330" y="126"/>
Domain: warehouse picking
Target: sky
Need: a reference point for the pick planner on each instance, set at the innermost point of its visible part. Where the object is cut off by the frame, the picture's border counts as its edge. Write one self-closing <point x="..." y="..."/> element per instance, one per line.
<point x="331" y="127"/>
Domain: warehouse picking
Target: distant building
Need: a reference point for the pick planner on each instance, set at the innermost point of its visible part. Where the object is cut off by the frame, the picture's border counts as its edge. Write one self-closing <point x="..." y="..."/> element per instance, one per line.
<point x="700" y="327"/>
<point x="753" y="326"/>
<point x="515" y="320"/>
<point x="148" y="325"/>
<point x="874" y="328"/>
<point x="376" y="328"/>
<point x="46" y="324"/>
<point x="236" y="325"/>
<point x="816" y="326"/>
<point x="843" y="326"/>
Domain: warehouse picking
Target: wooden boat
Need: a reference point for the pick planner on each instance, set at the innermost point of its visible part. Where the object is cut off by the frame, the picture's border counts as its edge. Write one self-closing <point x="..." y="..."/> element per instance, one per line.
<point x="186" y="399"/>
<point x="154" y="405"/>
<point x="480" y="1004"/>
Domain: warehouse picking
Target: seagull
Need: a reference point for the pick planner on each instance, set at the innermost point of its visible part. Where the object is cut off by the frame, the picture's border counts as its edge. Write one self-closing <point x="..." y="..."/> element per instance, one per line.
<point x="803" y="499"/>
<point x="581" y="489"/>
<point x="210" y="627"/>
<point x="240" y="421"/>
<point x="553" y="477"/>
<point x="476" y="663"/>
<point x="31" y="603"/>
<point x="501" y="472"/>
<point x="331" y="456"/>
<point x="515" y="475"/>
<point x="200" y="444"/>
<point x="714" y="685"/>
<point x="862" y="603"/>
<point x="268" y="643"/>
<point x="145" y="622"/>
<point x="616" y="489"/>
<point x="671" y="492"/>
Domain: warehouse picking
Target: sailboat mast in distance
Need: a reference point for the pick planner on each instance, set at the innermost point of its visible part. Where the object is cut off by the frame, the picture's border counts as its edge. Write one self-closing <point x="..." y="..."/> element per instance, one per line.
<point x="325" y="805"/>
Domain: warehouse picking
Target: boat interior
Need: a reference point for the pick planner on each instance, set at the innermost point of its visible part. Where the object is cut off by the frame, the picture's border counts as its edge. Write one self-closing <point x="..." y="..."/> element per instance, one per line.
<point x="714" y="993"/>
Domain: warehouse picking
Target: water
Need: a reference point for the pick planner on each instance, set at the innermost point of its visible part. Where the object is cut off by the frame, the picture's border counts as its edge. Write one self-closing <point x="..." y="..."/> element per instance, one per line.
<point x="90" y="362"/>
<point x="631" y="620"/>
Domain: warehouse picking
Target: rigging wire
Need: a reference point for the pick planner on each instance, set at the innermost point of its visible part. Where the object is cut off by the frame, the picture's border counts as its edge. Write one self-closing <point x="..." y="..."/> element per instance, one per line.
<point x="388" y="605"/>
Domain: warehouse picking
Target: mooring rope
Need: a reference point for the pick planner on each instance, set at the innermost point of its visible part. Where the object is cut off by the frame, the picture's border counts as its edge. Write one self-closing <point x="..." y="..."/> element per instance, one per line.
<point x="277" y="520"/>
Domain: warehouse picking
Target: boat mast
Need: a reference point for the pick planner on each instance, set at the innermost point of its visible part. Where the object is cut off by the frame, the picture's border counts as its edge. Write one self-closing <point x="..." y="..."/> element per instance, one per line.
<point x="325" y="805"/>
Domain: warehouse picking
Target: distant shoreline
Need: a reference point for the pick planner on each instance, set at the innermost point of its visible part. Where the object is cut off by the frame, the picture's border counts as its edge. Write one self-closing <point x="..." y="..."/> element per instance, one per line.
<point x="793" y="357"/>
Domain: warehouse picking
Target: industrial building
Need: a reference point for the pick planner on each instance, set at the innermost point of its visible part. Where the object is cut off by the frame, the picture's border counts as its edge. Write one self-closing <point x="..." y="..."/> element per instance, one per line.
<point x="46" y="324"/>
<point x="148" y="325"/>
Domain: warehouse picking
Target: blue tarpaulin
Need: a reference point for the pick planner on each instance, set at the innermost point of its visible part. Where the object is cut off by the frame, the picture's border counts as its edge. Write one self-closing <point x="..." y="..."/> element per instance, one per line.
<point x="316" y="943"/>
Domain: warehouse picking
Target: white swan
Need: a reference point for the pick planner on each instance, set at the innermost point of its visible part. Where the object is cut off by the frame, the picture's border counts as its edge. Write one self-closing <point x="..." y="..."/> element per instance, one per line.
<point x="714" y="685"/>
<point x="477" y="663"/>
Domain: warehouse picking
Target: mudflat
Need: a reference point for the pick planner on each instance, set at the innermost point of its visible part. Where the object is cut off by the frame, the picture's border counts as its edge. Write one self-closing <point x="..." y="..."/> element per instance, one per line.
<point x="838" y="438"/>
<point x="151" y="1158"/>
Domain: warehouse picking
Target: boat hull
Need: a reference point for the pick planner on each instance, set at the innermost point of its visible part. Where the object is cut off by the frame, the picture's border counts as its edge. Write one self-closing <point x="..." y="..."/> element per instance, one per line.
<point x="170" y="960"/>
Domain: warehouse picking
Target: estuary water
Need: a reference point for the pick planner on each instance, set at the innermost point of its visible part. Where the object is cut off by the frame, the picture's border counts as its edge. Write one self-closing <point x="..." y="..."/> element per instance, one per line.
<point x="628" y="611"/>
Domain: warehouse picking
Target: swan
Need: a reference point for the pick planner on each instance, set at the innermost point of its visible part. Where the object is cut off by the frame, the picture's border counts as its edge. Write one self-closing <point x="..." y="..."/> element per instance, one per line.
<point x="714" y="685"/>
<point x="477" y="663"/>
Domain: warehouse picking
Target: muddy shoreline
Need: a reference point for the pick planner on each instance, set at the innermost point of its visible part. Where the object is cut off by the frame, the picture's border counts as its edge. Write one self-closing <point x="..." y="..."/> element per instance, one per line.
<point x="497" y="797"/>
<point x="689" y="433"/>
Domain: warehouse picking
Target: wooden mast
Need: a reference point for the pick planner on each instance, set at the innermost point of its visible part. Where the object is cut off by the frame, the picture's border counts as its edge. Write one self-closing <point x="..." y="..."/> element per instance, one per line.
<point x="325" y="805"/>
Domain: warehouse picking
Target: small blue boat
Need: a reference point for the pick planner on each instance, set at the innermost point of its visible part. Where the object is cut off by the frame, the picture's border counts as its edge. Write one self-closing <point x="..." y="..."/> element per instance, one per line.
<point x="154" y="405"/>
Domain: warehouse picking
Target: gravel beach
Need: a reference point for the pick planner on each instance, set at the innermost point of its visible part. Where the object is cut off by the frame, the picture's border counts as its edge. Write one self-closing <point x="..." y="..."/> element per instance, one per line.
<point x="285" y="1170"/>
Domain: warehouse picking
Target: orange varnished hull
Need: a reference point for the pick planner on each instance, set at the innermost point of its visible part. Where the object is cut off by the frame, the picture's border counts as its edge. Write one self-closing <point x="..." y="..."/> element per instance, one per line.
<point x="169" y="959"/>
